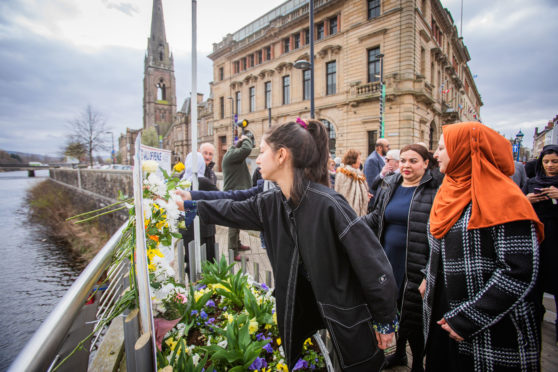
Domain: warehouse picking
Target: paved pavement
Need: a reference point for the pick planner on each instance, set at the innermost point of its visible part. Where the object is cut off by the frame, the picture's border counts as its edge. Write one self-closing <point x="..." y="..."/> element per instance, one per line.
<point x="258" y="256"/>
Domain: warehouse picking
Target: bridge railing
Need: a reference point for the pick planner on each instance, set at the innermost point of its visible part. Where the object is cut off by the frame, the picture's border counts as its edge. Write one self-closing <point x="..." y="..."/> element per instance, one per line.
<point x="40" y="351"/>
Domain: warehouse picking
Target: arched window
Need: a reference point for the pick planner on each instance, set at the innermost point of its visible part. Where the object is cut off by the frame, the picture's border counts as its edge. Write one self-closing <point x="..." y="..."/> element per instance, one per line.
<point x="331" y="134"/>
<point x="161" y="91"/>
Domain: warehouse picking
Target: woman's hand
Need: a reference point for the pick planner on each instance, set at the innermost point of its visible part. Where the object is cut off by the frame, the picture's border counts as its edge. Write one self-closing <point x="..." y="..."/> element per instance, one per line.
<point x="422" y="288"/>
<point x="180" y="205"/>
<point x="535" y="198"/>
<point x="551" y="192"/>
<point x="385" y="340"/>
<point x="185" y="195"/>
<point x="446" y="327"/>
<point x="370" y="196"/>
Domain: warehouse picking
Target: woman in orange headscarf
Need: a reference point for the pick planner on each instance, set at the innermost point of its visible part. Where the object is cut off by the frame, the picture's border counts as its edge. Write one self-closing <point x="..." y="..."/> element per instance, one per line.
<point x="484" y="241"/>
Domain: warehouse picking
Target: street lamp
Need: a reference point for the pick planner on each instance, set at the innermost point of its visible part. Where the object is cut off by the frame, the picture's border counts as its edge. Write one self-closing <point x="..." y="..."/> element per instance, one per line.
<point x="159" y="138"/>
<point x="380" y="57"/>
<point x="112" y="154"/>
<point x="518" y="140"/>
<point x="233" y="121"/>
<point x="305" y="65"/>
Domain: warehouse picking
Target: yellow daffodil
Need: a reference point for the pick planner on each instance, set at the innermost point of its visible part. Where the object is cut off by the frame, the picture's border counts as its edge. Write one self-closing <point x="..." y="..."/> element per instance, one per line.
<point x="171" y="343"/>
<point x="218" y="285"/>
<point x="253" y="327"/>
<point x="151" y="267"/>
<point x="178" y="167"/>
<point x="278" y="341"/>
<point x="229" y="317"/>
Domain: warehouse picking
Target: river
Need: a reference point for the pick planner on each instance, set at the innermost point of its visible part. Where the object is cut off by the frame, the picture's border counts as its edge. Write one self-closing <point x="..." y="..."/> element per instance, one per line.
<point x="35" y="271"/>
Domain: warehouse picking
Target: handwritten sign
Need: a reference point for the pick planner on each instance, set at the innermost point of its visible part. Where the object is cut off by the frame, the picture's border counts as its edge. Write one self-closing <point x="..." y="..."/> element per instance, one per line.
<point x="161" y="156"/>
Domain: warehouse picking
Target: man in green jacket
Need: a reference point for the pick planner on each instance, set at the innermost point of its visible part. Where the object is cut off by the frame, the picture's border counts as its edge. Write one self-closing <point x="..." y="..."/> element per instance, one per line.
<point x="236" y="176"/>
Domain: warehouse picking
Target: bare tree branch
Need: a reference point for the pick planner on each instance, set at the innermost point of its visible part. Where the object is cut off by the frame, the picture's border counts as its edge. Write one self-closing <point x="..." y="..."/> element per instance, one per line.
<point x="89" y="129"/>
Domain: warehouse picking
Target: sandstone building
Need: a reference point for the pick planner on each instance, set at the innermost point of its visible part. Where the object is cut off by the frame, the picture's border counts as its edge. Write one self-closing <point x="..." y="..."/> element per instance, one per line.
<point x="428" y="81"/>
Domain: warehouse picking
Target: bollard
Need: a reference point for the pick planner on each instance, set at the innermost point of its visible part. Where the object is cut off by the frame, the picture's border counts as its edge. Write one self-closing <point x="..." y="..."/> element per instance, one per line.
<point x="192" y="261"/>
<point x="231" y="260"/>
<point x="144" y="353"/>
<point x="243" y="264"/>
<point x="256" y="272"/>
<point x="216" y="252"/>
<point x="131" y="333"/>
<point x="180" y="259"/>
<point x="268" y="279"/>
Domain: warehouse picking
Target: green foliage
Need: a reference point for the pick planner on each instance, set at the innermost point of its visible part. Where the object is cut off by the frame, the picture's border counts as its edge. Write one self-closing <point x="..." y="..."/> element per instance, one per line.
<point x="149" y="137"/>
<point x="234" y="289"/>
<point x="262" y="312"/>
<point x="241" y="350"/>
<point x="216" y="272"/>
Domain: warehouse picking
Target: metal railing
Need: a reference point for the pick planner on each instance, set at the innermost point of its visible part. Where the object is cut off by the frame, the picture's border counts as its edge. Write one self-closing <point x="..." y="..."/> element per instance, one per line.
<point x="40" y="350"/>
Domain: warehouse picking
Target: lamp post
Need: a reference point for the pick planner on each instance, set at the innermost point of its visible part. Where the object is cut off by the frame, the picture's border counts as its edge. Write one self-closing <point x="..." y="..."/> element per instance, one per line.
<point x="159" y="138"/>
<point x="112" y="153"/>
<point x="305" y="65"/>
<point x="518" y="140"/>
<point x="380" y="57"/>
<point x="232" y="119"/>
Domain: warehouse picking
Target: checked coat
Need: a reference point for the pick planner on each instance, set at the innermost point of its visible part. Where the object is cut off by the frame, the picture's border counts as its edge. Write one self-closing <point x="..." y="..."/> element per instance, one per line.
<point x="488" y="274"/>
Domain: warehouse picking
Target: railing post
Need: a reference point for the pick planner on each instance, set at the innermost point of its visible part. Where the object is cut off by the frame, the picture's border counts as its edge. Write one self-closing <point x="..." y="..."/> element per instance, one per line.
<point x="131" y="334"/>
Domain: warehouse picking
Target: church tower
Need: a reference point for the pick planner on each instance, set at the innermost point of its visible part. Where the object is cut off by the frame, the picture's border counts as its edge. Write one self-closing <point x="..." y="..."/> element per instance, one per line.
<point x="159" y="87"/>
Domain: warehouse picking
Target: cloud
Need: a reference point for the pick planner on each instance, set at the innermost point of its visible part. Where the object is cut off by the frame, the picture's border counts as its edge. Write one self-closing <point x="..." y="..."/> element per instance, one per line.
<point x="126" y="8"/>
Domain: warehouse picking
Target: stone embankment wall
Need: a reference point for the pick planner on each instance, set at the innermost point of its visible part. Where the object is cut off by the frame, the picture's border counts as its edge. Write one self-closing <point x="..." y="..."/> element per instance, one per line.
<point x="91" y="189"/>
<point x="104" y="182"/>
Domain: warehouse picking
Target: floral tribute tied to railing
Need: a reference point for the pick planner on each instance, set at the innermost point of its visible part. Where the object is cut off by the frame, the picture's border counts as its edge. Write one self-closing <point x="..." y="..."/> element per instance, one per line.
<point x="224" y="321"/>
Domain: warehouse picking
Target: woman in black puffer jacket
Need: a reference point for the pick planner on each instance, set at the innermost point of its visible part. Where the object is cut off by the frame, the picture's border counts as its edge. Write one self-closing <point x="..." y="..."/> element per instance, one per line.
<point x="400" y="218"/>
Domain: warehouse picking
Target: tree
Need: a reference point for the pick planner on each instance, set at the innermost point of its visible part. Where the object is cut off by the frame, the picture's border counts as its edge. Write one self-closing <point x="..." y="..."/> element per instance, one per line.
<point x="75" y="150"/>
<point x="149" y="137"/>
<point x="89" y="129"/>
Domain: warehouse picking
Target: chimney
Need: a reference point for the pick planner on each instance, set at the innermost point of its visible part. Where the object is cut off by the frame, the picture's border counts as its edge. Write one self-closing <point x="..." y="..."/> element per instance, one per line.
<point x="200" y="98"/>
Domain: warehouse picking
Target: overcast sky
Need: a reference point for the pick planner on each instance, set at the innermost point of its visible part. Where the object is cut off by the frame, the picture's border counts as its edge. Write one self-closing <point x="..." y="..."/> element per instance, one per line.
<point x="57" y="56"/>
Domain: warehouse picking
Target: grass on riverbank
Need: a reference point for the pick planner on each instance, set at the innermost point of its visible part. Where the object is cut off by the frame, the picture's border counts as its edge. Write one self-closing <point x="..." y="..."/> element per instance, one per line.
<point x="50" y="206"/>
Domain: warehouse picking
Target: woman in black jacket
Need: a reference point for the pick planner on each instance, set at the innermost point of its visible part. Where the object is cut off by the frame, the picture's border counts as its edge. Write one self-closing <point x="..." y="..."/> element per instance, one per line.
<point x="329" y="268"/>
<point x="400" y="219"/>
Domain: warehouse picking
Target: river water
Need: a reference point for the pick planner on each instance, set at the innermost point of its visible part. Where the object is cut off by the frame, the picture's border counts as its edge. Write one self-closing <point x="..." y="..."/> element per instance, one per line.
<point x="34" y="271"/>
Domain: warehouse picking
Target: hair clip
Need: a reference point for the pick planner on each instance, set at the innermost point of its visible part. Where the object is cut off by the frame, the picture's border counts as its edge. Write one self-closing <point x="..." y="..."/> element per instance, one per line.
<point x="302" y="123"/>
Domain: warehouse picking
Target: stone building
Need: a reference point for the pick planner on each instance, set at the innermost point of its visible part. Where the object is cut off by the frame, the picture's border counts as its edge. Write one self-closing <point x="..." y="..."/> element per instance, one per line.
<point x="126" y="143"/>
<point x="428" y="81"/>
<point x="159" y="86"/>
<point x="547" y="136"/>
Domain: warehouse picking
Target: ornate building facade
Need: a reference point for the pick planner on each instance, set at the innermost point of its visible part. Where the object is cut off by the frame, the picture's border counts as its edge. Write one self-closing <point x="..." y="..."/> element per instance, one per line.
<point x="428" y="82"/>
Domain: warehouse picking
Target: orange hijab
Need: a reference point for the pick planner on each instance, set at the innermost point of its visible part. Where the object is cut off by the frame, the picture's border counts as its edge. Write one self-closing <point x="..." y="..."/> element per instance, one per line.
<point x="478" y="171"/>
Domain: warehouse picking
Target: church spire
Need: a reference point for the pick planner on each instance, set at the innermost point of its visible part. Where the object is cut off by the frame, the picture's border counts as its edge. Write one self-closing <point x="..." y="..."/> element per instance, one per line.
<point x="157" y="47"/>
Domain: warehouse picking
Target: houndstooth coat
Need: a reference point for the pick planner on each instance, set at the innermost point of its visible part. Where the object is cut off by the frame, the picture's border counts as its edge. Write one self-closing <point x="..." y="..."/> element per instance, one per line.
<point x="488" y="274"/>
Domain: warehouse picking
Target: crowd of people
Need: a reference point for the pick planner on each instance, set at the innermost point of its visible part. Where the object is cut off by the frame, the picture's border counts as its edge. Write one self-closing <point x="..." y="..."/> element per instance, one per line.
<point x="449" y="252"/>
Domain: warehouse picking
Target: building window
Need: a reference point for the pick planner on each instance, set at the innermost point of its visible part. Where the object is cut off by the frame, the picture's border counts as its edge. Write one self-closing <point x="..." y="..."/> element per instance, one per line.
<point x="320" y="31"/>
<point x="221" y="73"/>
<point x="236" y="66"/>
<point x="306" y="36"/>
<point x="296" y="41"/>
<point x="306" y="84"/>
<point x="373" y="8"/>
<point x="259" y="57"/>
<point x="252" y="99"/>
<point x="243" y="63"/>
<point x="373" y="65"/>
<point x="372" y="138"/>
<point x="286" y="90"/>
<point x="331" y="135"/>
<point x="331" y="73"/>
<point x="422" y="61"/>
<point x="333" y="25"/>
<point x="222" y="107"/>
<point x="238" y="105"/>
<point x="286" y="44"/>
<point x="267" y="87"/>
<point x="267" y="51"/>
<point x="251" y="59"/>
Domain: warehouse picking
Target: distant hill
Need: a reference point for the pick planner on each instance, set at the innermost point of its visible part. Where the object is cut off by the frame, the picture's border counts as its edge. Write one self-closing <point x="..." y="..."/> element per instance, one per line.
<point x="15" y="157"/>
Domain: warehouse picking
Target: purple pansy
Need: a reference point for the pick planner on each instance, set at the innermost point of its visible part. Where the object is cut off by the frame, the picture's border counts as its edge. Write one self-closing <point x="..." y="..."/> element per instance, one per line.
<point x="203" y="315"/>
<point x="268" y="348"/>
<point x="210" y="303"/>
<point x="259" y="363"/>
<point x="300" y="364"/>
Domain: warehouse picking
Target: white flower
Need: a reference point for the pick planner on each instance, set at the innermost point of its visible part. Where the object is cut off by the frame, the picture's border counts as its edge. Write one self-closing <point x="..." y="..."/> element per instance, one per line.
<point x="149" y="166"/>
<point x="147" y="203"/>
<point x="223" y="344"/>
<point x="156" y="185"/>
<point x="196" y="359"/>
